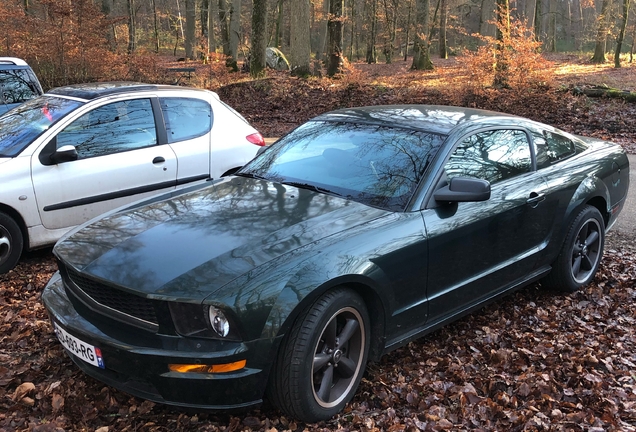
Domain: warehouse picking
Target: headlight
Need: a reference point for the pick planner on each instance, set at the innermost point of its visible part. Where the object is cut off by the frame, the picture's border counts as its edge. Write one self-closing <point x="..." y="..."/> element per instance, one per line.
<point x="205" y="321"/>
<point x="218" y="322"/>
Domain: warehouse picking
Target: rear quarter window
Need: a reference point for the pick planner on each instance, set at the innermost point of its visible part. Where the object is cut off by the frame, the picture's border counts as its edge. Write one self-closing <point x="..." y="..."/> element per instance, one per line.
<point x="186" y="118"/>
<point x="18" y="85"/>
<point x="551" y="147"/>
<point x="558" y="146"/>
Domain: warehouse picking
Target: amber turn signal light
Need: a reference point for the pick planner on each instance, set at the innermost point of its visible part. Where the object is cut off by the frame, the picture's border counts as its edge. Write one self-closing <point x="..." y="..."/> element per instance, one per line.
<point x="199" y="368"/>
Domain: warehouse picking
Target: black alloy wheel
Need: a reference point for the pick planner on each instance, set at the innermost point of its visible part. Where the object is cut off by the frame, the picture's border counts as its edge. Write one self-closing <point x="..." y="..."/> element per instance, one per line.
<point x="586" y="251"/>
<point x="322" y="359"/>
<point x="338" y="357"/>
<point x="582" y="251"/>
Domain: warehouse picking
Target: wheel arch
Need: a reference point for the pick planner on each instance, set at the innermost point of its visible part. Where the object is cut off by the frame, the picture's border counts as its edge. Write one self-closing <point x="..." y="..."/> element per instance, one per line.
<point x="361" y="285"/>
<point x="591" y="191"/>
<point x="17" y="217"/>
<point x="601" y="205"/>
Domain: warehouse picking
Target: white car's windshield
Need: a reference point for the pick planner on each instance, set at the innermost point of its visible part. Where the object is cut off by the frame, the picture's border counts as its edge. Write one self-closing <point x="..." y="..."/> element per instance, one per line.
<point x="376" y="165"/>
<point x="20" y="126"/>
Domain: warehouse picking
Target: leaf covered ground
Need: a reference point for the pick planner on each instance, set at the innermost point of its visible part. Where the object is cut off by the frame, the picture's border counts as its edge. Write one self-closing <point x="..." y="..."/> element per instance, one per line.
<point x="535" y="361"/>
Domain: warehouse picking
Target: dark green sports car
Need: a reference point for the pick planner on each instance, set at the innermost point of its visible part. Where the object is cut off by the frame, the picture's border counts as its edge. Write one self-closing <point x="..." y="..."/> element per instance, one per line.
<point x="357" y="232"/>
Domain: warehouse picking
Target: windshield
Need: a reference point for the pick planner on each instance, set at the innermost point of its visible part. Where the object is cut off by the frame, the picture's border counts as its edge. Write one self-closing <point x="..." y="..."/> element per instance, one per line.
<point x="375" y="165"/>
<point x="20" y="126"/>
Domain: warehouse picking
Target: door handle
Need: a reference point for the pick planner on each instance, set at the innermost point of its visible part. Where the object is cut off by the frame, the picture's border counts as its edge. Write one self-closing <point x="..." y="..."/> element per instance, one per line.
<point x="535" y="199"/>
<point x="158" y="160"/>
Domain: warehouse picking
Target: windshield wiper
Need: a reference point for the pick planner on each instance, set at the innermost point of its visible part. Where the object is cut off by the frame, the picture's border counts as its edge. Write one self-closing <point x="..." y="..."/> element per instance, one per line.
<point x="250" y="175"/>
<point x="311" y="187"/>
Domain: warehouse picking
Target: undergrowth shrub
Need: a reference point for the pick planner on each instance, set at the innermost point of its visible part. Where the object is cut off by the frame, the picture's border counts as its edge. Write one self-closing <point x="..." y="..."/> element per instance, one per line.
<point x="526" y="67"/>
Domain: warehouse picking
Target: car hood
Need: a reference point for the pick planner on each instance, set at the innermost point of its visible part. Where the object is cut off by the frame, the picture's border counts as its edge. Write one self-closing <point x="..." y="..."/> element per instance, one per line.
<point x="4" y="159"/>
<point x="186" y="247"/>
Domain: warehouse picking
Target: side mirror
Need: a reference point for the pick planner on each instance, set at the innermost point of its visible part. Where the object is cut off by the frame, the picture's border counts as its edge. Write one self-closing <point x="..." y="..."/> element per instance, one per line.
<point x="464" y="189"/>
<point x="65" y="153"/>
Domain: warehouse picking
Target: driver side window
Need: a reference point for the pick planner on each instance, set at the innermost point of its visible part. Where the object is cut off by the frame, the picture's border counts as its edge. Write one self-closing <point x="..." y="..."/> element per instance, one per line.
<point x="493" y="155"/>
<point x="112" y="128"/>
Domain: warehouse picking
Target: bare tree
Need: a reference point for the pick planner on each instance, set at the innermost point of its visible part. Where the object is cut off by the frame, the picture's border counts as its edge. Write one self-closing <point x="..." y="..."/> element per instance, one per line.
<point x="552" y="26"/>
<point x="443" y="51"/>
<point x="373" y="32"/>
<point x="601" y="35"/>
<point x="213" y="11"/>
<point x="621" y="34"/>
<point x="132" y="26"/>
<point x="190" y="33"/>
<point x="421" y="46"/>
<point x="336" y="37"/>
<point x="155" y="26"/>
<point x="503" y="36"/>
<point x="225" y="31"/>
<point x="235" y="30"/>
<point x="259" y="38"/>
<point x="300" y="43"/>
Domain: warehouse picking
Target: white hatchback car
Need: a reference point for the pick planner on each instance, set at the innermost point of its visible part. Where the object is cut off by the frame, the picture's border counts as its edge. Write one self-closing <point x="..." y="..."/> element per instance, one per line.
<point x="79" y="151"/>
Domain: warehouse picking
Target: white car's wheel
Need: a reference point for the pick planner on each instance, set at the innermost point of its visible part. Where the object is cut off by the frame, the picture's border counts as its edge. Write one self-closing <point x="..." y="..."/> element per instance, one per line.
<point x="10" y="243"/>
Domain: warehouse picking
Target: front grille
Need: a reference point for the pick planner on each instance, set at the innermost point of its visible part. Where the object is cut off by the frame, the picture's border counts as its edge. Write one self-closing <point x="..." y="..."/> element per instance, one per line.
<point x="112" y="298"/>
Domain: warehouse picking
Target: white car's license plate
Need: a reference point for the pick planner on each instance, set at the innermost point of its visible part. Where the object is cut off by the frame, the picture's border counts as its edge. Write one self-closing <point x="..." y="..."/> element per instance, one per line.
<point x="89" y="353"/>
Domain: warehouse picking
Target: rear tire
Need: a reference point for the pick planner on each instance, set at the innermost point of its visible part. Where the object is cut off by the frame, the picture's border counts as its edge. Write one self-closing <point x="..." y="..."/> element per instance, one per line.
<point x="11" y="243"/>
<point x="581" y="254"/>
<point x="321" y="361"/>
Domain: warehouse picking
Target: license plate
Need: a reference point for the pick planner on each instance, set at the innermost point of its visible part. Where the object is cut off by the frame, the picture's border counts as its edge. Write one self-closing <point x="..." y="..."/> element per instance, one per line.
<point x="89" y="353"/>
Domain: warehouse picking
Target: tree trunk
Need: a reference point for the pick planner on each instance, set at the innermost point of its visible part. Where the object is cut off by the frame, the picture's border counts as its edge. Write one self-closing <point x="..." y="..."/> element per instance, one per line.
<point x="336" y="39"/>
<point x="421" y="55"/>
<point x="132" y="26"/>
<point x="205" y="5"/>
<point x="528" y="13"/>
<point x="235" y="29"/>
<point x="552" y="27"/>
<point x="601" y="35"/>
<point x="503" y="36"/>
<point x="443" y="51"/>
<point x="486" y="28"/>
<point x="408" y="31"/>
<point x="300" y="43"/>
<point x="621" y="34"/>
<point x="223" y="22"/>
<point x="373" y="32"/>
<point x="155" y="26"/>
<point x="353" y="29"/>
<point x="190" y="34"/>
<point x="213" y="11"/>
<point x="631" y="51"/>
<point x="279" y="20"/>
<point x="538" y="20"/>
<point x="259" y="38"/>
<point x="322" y="32"/>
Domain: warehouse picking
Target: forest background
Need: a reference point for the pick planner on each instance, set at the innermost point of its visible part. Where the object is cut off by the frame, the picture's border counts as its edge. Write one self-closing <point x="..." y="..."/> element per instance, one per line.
<point x="534" y="361"/>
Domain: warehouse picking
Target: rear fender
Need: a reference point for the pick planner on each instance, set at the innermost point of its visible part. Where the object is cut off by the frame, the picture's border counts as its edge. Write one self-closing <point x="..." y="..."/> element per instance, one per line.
<point x="591" y="191"/>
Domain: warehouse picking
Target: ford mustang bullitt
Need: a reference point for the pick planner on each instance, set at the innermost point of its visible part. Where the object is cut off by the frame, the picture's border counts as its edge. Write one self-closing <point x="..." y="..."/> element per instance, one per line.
<point x="355" y="233"/>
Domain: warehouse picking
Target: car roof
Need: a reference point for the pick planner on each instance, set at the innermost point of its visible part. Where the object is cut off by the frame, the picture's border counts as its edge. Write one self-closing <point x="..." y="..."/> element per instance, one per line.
<point x="102" y="89"/>
<point x="12" y="61"/>
<point x="438" y="119"/>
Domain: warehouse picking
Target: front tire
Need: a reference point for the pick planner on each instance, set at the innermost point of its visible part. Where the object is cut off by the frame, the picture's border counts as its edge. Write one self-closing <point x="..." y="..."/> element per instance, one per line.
<point x="322" y="359"/>
<point x="581" y="254"/>
<point x="11" y="243"/>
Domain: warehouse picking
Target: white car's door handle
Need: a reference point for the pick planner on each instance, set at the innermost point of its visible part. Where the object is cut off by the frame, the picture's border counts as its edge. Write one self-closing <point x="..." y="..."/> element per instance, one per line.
<point x="158" y="160"/>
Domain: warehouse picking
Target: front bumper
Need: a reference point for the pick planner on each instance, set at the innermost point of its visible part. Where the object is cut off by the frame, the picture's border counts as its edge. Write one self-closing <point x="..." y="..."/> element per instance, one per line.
<point x="142" y="369"/>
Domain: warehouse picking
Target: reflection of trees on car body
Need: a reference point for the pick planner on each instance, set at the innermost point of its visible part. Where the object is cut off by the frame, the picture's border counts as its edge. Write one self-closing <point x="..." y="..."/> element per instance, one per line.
<point x="372" y="164"/>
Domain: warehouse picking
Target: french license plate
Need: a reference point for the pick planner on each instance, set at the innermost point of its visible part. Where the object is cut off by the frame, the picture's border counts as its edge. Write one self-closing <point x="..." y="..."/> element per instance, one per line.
<point x="89" y="353"/>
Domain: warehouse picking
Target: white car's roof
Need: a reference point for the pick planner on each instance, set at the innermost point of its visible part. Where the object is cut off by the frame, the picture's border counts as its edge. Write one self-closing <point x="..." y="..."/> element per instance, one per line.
<point x="12" y="61"/>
